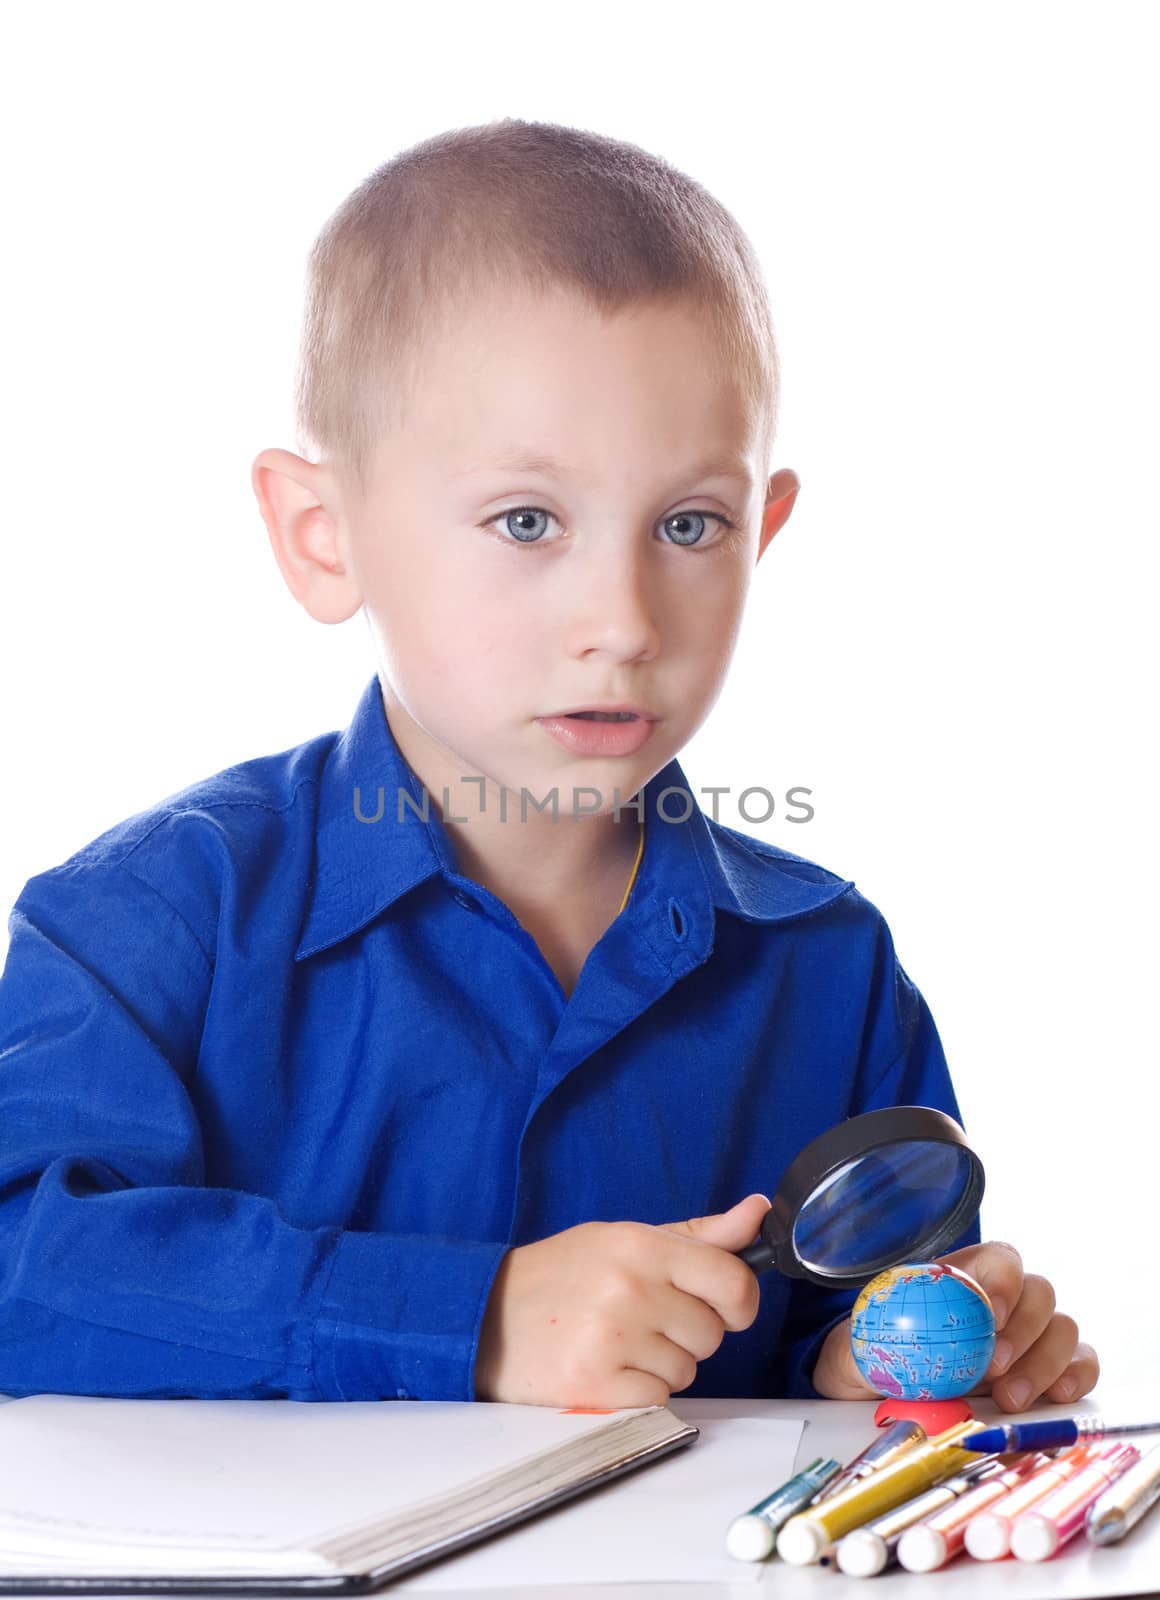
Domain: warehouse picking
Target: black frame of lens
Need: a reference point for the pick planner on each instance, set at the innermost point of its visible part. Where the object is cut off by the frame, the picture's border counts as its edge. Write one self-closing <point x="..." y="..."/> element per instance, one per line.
<point x="860" y="1136"/>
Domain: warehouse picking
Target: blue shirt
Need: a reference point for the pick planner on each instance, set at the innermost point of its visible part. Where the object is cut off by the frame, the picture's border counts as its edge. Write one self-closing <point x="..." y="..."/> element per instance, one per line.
<point x="279" y="1085"/>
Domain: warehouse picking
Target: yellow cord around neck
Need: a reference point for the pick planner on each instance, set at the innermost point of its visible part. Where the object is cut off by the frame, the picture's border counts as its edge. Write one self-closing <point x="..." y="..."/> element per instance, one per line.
<point x="635" y="867"/>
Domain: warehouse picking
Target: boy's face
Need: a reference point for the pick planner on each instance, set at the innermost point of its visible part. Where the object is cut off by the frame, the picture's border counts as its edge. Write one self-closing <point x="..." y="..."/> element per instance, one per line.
<point x="482" y="636"/>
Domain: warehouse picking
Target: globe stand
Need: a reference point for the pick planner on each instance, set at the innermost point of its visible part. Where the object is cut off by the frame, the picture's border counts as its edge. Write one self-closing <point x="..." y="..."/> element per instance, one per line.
<point x="932" y="1416"/>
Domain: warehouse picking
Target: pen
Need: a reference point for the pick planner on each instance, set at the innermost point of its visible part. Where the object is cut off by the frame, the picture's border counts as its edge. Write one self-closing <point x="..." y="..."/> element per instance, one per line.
<point x="870" y="1549"/>
<point x="804" y="1537"/>
<point x="988" y="1536"/>
<point x="751" y="1536"/>
<point x="891" y="1442"/>
<point x="931" y="1544"/>
<point x="1120" y="1507"/>
<point x="1053" y="1435"/>
<point x="1039" y="1533"/>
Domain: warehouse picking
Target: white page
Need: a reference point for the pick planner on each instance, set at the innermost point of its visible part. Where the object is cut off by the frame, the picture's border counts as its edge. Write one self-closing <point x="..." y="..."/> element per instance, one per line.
<point x="666" y="1522"/>
<point x="254" y="1472"/>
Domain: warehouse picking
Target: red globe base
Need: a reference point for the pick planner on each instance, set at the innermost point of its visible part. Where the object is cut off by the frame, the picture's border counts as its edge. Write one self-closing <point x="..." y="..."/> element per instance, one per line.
<point x="931" y="1415"/>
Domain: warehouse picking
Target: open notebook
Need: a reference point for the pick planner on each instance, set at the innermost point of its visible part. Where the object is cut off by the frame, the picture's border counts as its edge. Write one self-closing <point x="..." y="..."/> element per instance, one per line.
<point x="264" y="1496"/>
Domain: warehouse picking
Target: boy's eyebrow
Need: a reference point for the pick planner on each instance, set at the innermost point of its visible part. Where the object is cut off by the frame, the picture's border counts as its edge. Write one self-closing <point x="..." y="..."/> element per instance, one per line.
<point x="519" y="460"/>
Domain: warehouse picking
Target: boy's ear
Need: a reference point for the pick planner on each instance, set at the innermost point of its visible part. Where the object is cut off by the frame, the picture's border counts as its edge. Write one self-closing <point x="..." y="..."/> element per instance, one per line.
<point x="780" y="499"/>
<point x="301" y="508"/>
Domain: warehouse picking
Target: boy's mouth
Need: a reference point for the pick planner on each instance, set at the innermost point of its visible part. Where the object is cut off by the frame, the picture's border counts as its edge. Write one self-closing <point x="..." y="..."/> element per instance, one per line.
<point x="601" y="731"/>
<point x="622" y="713"/>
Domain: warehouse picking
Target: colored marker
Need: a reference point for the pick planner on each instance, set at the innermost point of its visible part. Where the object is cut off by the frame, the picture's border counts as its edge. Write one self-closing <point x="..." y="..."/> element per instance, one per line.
<point x="1039" y="1533"/>
<point x="1054" y="1435"/>
<point x="891" y="1443"/>
<point x="804" y="1537"/>
<point x="988" y="1536"/>
<point x="931" y="1544"/>
<point x="1118" y="1510"/>
<point x="752" y="1536"/>
<point x="870" y="1549"/>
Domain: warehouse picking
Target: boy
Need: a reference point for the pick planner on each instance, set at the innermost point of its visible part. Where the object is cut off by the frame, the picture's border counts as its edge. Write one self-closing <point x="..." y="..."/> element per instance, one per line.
<point x="388" y="1066"/>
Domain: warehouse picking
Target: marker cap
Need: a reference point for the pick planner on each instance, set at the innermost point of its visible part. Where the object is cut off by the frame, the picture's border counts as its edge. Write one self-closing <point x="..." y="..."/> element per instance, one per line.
<point x="800" y="1542"/>
<point x="750" y="1538"/>
<point x="1034" y="1538"/>
<point x="922" y="1549"/>
<point x="862" y="1554"/>
<point x="988" y="1536"/>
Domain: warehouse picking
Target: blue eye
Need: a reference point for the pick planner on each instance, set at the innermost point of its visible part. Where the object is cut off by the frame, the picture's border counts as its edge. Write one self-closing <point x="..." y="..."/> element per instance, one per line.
<point x="525" y="535"/>
<point x="689" y="537"/>
<point x="697" y="518"/>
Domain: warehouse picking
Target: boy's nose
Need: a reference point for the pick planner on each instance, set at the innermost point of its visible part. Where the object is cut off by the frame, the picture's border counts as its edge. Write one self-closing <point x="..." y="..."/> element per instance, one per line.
<point x="611" y="608"/>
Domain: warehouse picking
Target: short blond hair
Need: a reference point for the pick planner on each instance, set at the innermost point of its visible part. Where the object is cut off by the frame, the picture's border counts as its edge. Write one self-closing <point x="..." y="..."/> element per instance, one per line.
<point x="512" y="205"/>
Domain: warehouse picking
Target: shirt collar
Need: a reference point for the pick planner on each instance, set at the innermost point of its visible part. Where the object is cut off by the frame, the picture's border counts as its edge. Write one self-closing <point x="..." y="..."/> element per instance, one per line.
<point x="366" y="858"/>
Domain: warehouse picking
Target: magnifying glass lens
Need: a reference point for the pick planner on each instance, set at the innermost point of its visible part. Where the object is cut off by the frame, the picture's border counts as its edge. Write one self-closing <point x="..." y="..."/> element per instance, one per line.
<point x="878" y="1209"/>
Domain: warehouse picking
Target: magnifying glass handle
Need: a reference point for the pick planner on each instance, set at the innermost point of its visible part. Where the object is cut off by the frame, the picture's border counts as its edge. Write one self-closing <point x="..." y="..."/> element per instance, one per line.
<point x="759" y="1256"/>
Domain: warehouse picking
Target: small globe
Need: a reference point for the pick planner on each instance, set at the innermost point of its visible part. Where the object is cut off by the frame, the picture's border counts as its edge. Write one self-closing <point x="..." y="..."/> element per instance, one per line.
<point x="922" y="1331"/>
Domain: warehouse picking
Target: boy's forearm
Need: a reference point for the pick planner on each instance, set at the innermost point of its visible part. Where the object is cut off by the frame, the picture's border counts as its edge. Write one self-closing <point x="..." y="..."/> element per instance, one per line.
<point x="121" y="1270"/>
<point x="210" y="1293"/>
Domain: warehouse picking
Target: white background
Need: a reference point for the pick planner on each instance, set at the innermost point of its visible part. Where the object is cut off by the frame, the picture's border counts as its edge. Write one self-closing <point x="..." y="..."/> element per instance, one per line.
<point x="950" y="642"/>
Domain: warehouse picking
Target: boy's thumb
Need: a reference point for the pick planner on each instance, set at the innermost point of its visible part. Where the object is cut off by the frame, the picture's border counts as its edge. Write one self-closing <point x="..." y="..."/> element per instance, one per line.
<point x="729" y="1230"/>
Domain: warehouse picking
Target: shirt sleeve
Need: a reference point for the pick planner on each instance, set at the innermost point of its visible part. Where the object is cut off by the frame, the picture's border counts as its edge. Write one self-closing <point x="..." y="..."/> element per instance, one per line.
<point x="121" y="1271"/>
<point x="902" y="1064"/>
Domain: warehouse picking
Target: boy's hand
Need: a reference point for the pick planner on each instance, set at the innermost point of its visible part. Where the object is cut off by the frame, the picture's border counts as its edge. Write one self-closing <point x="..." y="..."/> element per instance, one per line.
<point x="1037" y="1352"/>
<point x="612" y="1314"/>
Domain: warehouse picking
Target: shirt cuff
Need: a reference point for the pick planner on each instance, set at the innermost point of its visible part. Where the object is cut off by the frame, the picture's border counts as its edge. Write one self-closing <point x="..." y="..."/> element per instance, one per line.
<point x="400" y="1317"/>
<point x="802" y="1358"/>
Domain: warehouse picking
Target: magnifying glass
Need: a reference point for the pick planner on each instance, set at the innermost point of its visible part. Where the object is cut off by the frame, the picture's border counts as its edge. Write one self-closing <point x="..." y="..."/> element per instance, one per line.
<point x="888" y="1186"/>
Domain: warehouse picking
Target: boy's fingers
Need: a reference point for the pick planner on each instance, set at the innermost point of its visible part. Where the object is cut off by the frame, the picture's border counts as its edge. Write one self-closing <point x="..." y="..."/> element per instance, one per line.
<point x="670" y="1362"/>
<point x="1045" y="1364"/>
<point x="997" y="1267"/>
<point x="690" y="1322"/>
<point x="729" y="1230"/>
<point x="716" y="1277"/>
<point x="1026" y="1324"/>
<point x="624" y="1390"/>
<point x="1079" y="1377"/>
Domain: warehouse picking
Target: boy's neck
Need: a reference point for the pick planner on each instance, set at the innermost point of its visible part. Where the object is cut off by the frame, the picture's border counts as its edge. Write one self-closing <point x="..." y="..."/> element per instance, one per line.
<point x="565" y="915"/>
<point x="551" y="871"/>
<point x="564" y="897"/>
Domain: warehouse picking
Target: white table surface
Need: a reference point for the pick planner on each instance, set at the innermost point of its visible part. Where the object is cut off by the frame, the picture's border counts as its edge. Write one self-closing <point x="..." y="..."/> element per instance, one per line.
<point x="841" y="1429"/>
